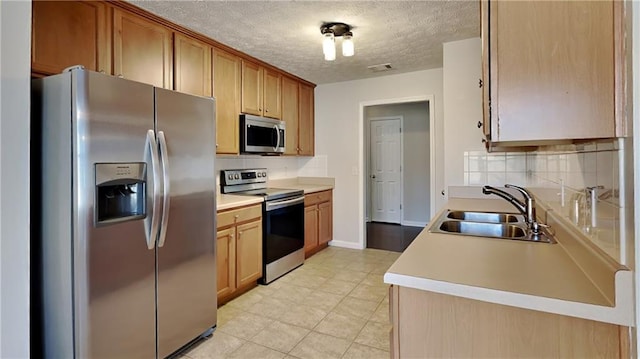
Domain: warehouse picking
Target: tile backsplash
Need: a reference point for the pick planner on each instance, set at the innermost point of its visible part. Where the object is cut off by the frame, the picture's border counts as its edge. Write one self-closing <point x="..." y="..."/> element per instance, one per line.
<point x="560" y="175"/>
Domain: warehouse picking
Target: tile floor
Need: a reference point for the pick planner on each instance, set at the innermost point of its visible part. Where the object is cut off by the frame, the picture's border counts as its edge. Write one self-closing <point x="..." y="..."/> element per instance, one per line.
<point x="334" y="306"/>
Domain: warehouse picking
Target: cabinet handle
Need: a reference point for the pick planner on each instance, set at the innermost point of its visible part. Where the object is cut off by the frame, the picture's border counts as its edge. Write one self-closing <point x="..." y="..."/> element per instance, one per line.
<point x="239" y="234"/>
<point x="101" y="71"/>
<point x="480" y="83"/>
<point x="442" y="193"/>
<point x="479" y="124"/>
<point x="259" y="109"/>
<point x="266" y="110"/>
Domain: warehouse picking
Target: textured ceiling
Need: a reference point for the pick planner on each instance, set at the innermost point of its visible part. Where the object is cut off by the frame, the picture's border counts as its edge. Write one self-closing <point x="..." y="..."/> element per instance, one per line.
<point x="286" y="34"/>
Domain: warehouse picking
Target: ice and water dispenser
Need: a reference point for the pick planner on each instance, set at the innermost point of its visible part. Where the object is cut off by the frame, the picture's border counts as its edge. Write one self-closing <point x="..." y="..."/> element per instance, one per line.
<point x="120" y="192"/>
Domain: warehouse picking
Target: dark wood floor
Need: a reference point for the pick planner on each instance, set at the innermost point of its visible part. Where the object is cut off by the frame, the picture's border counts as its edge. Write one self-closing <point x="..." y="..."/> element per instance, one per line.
<point x="391" y="237"/>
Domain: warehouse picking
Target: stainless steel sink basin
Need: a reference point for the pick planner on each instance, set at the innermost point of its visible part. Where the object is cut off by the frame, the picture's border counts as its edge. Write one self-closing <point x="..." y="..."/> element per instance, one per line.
<point x="497" y="230"/>
<point x="488" y="224"/>
<point x="486" y="217"/>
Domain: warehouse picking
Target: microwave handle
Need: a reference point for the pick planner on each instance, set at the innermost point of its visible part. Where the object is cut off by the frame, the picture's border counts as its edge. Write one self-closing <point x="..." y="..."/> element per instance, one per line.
<point x="277" y="129"/>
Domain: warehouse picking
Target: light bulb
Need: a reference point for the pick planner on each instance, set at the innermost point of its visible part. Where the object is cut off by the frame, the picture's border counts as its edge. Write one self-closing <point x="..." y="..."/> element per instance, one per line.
<point x="347" y="45"/>
<point x="329" y="46"/>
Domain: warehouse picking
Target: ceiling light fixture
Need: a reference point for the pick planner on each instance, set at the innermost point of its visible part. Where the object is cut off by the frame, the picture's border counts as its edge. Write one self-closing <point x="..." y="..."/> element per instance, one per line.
<point x="331" y="30"/>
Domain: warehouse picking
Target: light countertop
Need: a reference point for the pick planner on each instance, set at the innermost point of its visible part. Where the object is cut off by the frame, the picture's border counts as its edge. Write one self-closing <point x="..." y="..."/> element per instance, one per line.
<point x="307" y="184"/>
<point x="528" y="275"/>
<point x="227" y="201"/>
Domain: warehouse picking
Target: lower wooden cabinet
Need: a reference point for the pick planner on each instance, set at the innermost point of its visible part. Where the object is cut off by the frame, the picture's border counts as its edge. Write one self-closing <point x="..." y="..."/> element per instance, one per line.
<point x="318" y="221"/>
<point x="238" y="251"/>
<point x="433" y="325"/>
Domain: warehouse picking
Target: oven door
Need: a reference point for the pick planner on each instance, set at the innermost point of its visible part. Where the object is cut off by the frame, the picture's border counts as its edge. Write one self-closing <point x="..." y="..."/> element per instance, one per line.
<point x="283" y="228"/>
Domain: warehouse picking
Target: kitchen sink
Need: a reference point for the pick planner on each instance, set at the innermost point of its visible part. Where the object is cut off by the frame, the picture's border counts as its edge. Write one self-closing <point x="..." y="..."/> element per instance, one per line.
<point x="489" y="224"/>
<point x="497" y="230"/>
<point x="487" y="217"/>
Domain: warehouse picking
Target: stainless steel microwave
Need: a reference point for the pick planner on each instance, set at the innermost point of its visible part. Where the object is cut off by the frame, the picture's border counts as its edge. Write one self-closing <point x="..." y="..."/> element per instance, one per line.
<point x="260" y="135"/>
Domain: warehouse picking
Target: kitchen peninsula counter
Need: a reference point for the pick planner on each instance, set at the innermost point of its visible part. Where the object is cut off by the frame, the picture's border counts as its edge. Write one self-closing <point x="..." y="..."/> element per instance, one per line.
<point x="537" y="276"/>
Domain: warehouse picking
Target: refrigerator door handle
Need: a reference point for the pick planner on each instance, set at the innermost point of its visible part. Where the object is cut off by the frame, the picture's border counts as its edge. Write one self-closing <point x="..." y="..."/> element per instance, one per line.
<point x="166" y="202"/>
<point x="152" y="224"/>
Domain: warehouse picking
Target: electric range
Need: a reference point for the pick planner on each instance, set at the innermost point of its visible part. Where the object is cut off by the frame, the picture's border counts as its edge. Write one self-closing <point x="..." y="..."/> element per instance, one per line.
<point x="282" y="219"/>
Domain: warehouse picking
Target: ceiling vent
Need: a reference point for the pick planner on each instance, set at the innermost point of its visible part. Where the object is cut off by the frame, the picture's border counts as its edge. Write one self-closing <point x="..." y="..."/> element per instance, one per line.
<point x="380" y="67"/>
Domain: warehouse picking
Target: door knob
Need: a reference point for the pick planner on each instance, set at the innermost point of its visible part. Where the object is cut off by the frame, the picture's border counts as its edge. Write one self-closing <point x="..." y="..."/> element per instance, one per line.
<point x="479" y="124"/>
<point x="373" y="176"/>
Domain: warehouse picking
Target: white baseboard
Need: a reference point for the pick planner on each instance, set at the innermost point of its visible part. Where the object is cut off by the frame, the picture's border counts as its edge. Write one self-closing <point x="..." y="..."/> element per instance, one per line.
<point x="414" y="223"/>
<point x="343" y="244"/>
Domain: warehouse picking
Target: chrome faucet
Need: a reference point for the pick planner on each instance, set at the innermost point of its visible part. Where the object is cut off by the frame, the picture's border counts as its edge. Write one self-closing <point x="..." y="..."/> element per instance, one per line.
<point x="527" y="208"/>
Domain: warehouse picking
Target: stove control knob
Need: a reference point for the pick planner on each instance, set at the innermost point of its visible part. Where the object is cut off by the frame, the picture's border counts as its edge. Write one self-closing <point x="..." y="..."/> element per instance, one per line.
<point x="230" y="177"/>
<point x="259" y="174"/>
<point x="264" y="174"/>
<point x="236" y="176"/>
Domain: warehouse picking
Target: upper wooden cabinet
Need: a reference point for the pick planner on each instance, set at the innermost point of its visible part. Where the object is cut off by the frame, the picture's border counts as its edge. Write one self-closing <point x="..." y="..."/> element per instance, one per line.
<point x="297" y="113"/>
<point x="67" y="33"/>
<point x="290" y="114"/>
<point x="271" y="94"/>
<point x="226" y="90"/>
<point x="142" y="50"/>
<point x="192" y="66"/>
<point x="119" y="39"/>
<point x="306" y="131"/>
<point x="261" y="90"/>
<point x="552" y="70"/>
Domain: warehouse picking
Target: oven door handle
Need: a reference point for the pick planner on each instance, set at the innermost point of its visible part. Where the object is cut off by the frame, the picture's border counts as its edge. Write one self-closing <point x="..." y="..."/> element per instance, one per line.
<point x="271" y="206"/>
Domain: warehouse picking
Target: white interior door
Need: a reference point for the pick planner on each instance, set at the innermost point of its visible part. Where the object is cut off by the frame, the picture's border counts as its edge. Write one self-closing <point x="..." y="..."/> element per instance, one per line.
<point x="386" y="165"/>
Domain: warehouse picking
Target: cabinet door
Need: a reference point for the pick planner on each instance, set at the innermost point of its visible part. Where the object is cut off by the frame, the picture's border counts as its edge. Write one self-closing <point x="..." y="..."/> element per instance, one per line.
<point x="251" y="88"/>
<point x="249" y="253"/>
<point x="271" y="94"/>
<point x="306" y="121"/>
<point x="192" y="70"/>
<point x="67" y="33"/>
<point x="310" y="228"/>
<point x="290" y="114"/>
<point x="486" y="98"/>
<point x="226" y="89"/>
<point x="325" y="222"/>
<point x="141" y="50"/>
<point x="226" y="266"/>
<point x="552" y="71"/>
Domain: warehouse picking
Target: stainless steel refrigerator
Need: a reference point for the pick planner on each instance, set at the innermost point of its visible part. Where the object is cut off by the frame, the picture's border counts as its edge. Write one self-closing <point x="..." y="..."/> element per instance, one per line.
<point x="127" y="216"/>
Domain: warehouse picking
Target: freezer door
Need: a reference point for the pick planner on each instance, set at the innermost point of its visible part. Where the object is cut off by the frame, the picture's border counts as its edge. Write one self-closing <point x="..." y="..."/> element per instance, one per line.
<point x="114" y="268"/>
<point x="186" y="246"/>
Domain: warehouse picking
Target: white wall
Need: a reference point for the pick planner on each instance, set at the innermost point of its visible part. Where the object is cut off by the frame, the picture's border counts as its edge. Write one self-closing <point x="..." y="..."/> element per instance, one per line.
<point x="462" y="68"/>
<point x="338" y="133"/>
<point x="415" y="167"/>
<point x="15" y="40"/>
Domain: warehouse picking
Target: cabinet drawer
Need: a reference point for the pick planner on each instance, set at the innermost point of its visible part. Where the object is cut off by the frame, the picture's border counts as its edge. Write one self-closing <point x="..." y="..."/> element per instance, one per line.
<point x="318" y="197"/>
<point x="233" y="216"/>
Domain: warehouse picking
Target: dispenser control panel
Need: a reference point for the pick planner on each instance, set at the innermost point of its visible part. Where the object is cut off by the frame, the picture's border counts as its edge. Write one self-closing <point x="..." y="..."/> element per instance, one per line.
<point x="120" y="192"/>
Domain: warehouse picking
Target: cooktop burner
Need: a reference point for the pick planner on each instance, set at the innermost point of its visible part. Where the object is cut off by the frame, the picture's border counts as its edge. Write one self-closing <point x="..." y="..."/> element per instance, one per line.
<point x="270" y="194"/>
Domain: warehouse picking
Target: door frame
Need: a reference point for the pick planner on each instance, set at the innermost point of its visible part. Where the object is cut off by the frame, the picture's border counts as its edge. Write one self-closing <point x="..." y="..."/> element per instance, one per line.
<point x="368" y="188"/>
<point x="430" y="99"/>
